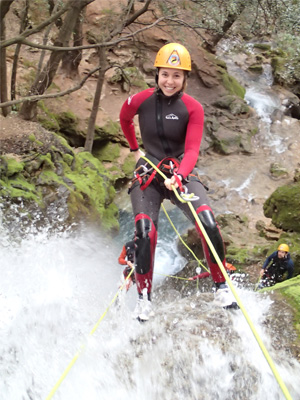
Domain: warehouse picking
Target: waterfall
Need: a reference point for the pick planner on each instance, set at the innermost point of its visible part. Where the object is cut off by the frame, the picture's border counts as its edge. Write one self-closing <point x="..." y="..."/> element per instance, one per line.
<point x="56" y="287"/>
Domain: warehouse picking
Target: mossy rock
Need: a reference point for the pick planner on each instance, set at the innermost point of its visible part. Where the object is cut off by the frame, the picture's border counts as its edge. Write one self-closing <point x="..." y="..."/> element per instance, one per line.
<point x="108" y="152"/>
<point x="232" y="103"/>
<point x="128" y="165"/>
<point x="130" y="76"/>
<point x="257" y="68"/>
<point x="109" y="132"/>
<point x="69" y="129"/>
<point x="283" y="206"/>
<point x="239" y="256"/>
<point x="262" y="46"/>
<point x="47" y="118"/>
<point x="231" y="84"/>
<point x="18" y="188"/>
<point x="13" y="166"/>
<point x="77" y="186"/>
<point x="278" y="171"/>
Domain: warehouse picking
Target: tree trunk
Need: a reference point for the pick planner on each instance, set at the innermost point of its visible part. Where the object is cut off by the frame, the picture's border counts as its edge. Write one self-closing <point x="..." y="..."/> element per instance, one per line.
<point x="44" y="80"/>
<point x="72" y="59"/>
<point x="4" y="7"/>
<point x="92" y="120"/>
<point x="23" y="25"/>
<point x="3" y="72"/>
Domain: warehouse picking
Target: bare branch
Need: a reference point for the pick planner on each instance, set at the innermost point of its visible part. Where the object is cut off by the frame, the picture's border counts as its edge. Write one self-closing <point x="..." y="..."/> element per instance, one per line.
<point x="51" y="95"/>
<point x="29" y="32"/>
<point x="96" y="45"/>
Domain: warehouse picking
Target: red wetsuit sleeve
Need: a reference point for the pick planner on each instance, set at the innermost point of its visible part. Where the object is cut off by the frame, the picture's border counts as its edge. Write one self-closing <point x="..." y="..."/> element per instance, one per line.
<point x="193" y="135"/>
<point x="122" y="256"/>
<point x="128" y="111"/>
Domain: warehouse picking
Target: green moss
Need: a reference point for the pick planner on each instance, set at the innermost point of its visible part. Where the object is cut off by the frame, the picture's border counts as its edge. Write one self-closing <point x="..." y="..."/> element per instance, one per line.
<point x="108" y="152"/>
<point x="47" y="118"/>
<point x="262" y="46"/>
<point x="110" y="218"/>
<point x="49" y="177"/>
<point x="13" y="166"/>
<point x="111" y="127"/>
<point x="86" y="185"/>
<point x="68" y="159"/>
<point x="256" y="68"/>
<point x="232" y="85"/>
<point x="128" y="165"/>
<point x="92" y="185"/>
<point x="277" y="170"/>
<point x="283" y="206"/>
<point x="47" y="161"/>
<point x="33" y="139"/>
<point x="131" y="76"/>
<point x="19" y="187"/>
<point x="253" y="131"/>
<point x="290" y="289"/>
<point x="238" y="255"/>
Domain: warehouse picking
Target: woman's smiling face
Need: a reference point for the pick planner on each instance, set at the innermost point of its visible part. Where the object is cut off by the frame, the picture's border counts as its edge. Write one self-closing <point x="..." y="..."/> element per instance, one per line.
<point x="170" y="80"/>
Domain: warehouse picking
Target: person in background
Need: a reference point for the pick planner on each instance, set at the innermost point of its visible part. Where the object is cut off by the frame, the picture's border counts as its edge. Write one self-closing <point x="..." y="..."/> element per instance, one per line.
<point x="127" y="258"/>
<point x="171" y="126"/>
<point x="277" y="267"/>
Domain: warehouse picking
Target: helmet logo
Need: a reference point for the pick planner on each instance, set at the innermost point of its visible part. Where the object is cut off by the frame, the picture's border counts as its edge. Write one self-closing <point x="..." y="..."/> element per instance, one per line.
<point x="174" y="59"/>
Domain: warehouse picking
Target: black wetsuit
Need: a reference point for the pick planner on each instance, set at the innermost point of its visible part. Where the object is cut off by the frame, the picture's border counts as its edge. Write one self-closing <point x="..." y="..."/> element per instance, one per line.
<point x="276" y="268"/>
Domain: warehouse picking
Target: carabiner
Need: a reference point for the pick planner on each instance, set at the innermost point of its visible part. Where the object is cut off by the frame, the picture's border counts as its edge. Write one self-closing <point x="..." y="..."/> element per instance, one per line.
<point x="145" y="170"/>
<point x="188" y="196"/>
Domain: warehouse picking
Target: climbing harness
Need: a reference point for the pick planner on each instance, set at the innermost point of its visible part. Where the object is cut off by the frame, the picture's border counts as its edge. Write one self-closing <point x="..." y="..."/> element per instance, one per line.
<point x="168" y="165"/>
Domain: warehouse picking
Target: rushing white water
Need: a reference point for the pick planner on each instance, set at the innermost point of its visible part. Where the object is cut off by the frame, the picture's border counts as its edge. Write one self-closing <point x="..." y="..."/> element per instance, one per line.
<point x="55" y="289"/>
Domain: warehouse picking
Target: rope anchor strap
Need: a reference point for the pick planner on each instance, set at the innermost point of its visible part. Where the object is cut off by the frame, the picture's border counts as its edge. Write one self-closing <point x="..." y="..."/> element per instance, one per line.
<point x="234" y="292"/>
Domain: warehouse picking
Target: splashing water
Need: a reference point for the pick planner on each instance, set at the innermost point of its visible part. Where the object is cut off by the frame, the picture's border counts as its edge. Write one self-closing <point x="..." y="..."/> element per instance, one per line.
<point x="55" y="288"/>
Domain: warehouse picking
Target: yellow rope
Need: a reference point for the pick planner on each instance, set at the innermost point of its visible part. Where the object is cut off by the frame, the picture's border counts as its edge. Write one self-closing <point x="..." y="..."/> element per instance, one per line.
<point x="74" y="359"/>
<point x="228" y="280"/>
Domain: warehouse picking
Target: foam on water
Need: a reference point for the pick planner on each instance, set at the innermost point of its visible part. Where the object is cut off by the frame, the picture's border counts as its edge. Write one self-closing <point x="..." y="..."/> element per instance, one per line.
<point x="54" y="291"/>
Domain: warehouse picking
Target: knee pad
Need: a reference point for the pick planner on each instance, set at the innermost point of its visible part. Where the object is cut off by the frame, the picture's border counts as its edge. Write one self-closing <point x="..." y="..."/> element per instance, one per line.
<point x="210" y="225"/>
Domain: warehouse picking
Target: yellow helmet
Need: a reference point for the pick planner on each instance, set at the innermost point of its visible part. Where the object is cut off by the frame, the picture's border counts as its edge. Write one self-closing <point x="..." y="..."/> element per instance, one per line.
<point x="173" y="55"/>
<point x="283" y="247"/>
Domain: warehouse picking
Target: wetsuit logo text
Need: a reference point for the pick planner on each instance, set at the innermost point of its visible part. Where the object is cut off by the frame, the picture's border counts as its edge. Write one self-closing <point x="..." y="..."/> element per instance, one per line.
<point x="171" y="116"/>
